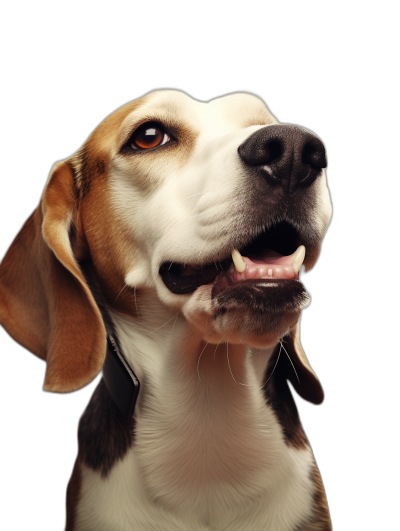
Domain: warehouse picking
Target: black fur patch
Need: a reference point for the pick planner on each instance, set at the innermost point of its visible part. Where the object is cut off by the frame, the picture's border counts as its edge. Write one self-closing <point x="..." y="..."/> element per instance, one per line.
<point x="104" y="435"/>
<point x="280" y="399"/>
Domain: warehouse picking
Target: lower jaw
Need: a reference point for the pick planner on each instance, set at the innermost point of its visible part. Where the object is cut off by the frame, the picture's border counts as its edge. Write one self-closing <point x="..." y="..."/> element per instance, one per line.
<point x="181" y="284"/>
<point x="261" y="296"/>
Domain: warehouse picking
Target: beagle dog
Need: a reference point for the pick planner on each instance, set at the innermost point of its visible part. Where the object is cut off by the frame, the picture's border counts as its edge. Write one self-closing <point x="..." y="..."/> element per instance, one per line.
<point x="166" y="252"/>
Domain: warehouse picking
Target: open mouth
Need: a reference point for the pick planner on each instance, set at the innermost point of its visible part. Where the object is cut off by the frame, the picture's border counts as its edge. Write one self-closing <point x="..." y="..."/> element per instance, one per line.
<point x="274" y="255"/>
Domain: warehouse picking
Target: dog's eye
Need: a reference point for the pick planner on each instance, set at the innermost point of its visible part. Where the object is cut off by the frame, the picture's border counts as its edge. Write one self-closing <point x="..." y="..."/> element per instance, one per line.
<point x="149" y="135"/>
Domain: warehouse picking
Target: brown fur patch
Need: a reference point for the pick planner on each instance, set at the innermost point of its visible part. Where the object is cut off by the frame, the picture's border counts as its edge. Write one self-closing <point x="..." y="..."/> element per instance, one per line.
<point x="92" y="159"/>
<point x="89" y="170"/>
<point x="320" y="521"/>
<point x="21" y="289"/>
<point x="111" y="249"/>
<point x="45" y="302"/>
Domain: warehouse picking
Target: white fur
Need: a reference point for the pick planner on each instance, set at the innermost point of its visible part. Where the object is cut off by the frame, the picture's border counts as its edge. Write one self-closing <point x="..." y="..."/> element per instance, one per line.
<point x="206" y="456"/>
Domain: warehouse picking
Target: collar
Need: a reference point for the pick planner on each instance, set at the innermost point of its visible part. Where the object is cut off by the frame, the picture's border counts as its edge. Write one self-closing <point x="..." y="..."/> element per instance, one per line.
<point x="121" y="382"/>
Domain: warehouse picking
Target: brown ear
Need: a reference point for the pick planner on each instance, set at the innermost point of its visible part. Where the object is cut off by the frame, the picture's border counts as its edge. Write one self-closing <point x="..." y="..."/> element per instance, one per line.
<point x="306" y="383"/>
<point x="45" y="303"/>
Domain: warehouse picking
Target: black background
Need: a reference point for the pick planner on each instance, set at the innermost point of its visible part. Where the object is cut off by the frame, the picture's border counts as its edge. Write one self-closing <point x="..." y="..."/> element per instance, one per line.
<point x="54" y="100"/>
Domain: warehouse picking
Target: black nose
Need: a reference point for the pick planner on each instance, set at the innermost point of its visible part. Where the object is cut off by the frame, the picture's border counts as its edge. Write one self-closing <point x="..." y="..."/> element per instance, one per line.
<point x="288" y="155"/>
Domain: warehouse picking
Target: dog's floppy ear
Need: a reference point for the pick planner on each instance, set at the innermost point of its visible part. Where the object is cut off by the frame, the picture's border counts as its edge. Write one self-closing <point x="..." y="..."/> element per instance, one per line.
<point x="306" y="383"/>
<point x="45" y="302"/>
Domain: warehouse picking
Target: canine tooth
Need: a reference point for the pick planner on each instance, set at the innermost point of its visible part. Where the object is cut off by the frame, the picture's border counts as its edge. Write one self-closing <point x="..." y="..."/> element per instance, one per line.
<point x="240" y="264"/>
<point x="299" y="256"/>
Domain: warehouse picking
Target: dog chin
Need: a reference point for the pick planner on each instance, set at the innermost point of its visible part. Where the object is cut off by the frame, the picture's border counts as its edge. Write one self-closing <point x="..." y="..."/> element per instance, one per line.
<point x="256" y="313"/>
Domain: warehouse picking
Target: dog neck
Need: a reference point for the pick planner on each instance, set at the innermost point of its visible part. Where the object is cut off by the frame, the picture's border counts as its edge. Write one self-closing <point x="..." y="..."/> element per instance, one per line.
<point x="174" y="362"/>
<point x="201" y="413"/>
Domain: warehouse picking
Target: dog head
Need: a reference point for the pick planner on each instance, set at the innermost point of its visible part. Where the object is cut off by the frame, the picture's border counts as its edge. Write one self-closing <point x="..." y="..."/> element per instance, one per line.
<point x="155" y="203"/>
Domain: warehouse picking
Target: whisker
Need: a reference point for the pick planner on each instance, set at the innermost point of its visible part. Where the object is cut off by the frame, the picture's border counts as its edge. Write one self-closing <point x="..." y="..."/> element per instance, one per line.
<point x="152" y="331"/>
<point x="198" y="361"/>
<point x="203" y="245"/>
<point x="273" y="370"/>
<point x="123" y="287"/>
<point x="290" y="361"/>
<point x="184" y="220"/>
<point x="215" y="351"/>
<point x="173" y="328"/>
<point x="194" y="195"/>
<point x="229" y="365"/>
<point x="134" y="294"/>
<point x="199" y="193"/>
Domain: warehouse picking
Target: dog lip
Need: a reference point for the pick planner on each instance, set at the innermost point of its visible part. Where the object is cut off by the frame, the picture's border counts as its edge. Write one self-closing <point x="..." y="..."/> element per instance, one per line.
<point x="182" y="284"/>
<point x="225" y="280"/>
<point x="267" y="296"/>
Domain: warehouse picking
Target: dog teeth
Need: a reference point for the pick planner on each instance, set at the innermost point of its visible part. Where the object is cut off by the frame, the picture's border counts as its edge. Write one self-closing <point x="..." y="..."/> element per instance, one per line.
<point x="240" y="264"/>
<point x="298" y="256"/>
<point x="298" y="259"/>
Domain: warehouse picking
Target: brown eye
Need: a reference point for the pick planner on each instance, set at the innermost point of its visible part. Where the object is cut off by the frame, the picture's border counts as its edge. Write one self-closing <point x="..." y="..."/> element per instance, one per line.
<point x="149" y="135"/>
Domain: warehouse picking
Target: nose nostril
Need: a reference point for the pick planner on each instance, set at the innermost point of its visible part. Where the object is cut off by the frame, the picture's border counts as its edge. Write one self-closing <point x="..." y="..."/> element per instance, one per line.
<point x="286" y="155"/>
<point x="314" y="155"/>
<point x="273" y="150"/>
